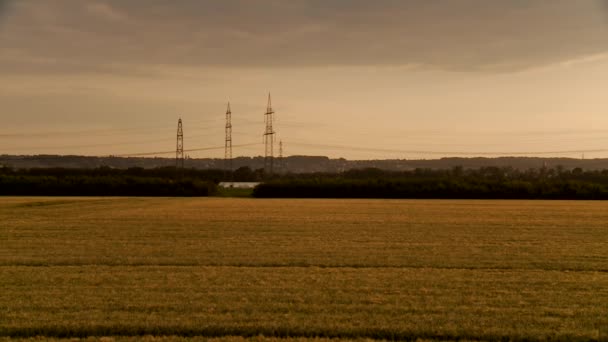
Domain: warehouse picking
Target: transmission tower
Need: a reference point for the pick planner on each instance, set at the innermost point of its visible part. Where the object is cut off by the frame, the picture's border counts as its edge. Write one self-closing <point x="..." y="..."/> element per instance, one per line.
<point x="269" y="139"/>
<point x="228" y="145"/>
<point x="179" y="154"/>
<point x="281" y="166"/>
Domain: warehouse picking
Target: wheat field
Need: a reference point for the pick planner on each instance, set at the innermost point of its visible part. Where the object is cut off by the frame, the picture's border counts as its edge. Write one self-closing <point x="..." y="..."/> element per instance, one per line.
<point x="222" y="269"/>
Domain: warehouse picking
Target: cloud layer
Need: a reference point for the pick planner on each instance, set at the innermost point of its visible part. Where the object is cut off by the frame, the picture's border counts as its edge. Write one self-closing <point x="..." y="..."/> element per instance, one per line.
<point x="465" y="35"/>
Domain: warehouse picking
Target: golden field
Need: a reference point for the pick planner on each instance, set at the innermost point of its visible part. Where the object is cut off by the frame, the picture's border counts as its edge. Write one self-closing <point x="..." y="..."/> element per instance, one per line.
<point x="233" y="269"/>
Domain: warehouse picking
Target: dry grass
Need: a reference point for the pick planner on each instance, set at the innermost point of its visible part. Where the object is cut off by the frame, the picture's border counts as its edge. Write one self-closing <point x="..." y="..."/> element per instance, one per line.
<point x="381" y="269"/>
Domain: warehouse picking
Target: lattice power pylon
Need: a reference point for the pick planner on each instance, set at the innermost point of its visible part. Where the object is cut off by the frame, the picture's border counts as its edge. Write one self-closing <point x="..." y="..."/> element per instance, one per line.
<point x="281" y="160"/>
<point x="179" y="154"/>
<point x="228" y="145"/>
<point x="269" y="139"/>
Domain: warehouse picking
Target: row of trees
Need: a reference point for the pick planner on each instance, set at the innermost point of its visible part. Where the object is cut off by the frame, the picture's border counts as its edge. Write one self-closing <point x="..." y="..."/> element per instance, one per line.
<point x="487" y="182"/>
<point x="102" y="182"/>
<point x="483" y="183"/>
<point x="243" y="174"/>
<point x="496" y="173"/>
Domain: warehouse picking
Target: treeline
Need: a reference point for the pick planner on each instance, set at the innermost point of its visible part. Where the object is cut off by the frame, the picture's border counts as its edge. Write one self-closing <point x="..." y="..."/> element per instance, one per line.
<point x="242" y="174"/>
<point x="455" y="183"/>
<point x="106" y="182"/>
<point x="481" y="183"/>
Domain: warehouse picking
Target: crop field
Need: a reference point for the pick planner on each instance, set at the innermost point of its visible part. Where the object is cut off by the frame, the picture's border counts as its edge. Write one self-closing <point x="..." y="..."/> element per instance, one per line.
<point x="226" y="269"/>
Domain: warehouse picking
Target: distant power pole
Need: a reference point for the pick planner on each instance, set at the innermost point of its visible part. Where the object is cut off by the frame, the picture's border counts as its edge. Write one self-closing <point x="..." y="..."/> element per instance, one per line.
<point x="281" y="156"/>
<point x="228" y="145"/>
<point x="269" y="139"/>
<point x="179" y="154"/>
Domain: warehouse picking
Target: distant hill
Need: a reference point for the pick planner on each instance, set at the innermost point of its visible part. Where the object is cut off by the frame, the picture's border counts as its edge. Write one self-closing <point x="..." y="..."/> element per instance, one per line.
<point x="299" y="164"/>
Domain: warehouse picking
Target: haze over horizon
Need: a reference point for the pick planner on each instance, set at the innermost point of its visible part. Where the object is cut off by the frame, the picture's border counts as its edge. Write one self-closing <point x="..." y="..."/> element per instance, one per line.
<point x="349" y="78"/>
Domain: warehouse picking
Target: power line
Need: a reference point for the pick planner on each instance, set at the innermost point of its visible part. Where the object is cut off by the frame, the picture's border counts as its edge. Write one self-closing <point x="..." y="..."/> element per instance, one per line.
<point x="219" y="147"/>
<point x="138" y="142"/>
<point x="100" y="131"/>
<point x="468" y="153"/>
<point x="142" y="154"/>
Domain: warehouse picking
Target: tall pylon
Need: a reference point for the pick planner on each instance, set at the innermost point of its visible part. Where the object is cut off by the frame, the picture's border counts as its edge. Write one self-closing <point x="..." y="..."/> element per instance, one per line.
<point x="228" y="144"/>
<point x="281" y="162"/>
<point x="179" y="154"/>
<point x="269" y="139"/>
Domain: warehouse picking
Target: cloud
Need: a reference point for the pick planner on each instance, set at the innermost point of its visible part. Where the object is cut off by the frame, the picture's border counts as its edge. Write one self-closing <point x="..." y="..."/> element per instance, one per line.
<point x="106" y="11"/>
<point x="464" y="35"/>
<point x="4" y="9"/>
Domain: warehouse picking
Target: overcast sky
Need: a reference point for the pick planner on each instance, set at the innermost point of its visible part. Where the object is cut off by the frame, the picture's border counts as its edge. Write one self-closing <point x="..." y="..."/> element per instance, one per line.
<point x="349" y="78"/>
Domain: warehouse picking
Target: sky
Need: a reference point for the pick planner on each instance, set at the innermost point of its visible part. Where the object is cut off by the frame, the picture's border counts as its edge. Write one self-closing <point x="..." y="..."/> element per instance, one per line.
<point x="357" y="79"/>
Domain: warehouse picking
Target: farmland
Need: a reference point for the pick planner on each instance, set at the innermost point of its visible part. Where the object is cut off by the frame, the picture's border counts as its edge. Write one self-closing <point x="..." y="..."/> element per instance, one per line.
<point x="243" y="268"/>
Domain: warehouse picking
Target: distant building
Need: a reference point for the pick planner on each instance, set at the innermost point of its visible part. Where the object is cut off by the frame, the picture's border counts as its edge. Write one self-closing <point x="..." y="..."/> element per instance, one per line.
<point x="239" y="185"/>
